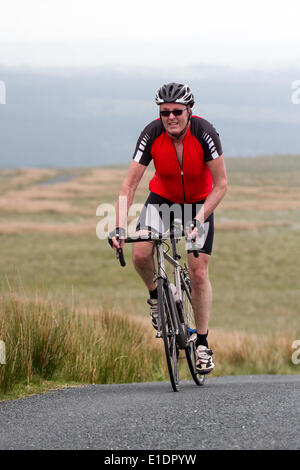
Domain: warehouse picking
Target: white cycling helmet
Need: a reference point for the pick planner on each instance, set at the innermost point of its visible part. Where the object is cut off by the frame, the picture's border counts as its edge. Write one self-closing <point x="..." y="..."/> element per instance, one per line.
<point x="175" y="93"/>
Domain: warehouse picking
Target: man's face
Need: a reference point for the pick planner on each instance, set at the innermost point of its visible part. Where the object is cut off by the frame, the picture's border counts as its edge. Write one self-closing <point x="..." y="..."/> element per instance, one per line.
<point x="174" y="124"/>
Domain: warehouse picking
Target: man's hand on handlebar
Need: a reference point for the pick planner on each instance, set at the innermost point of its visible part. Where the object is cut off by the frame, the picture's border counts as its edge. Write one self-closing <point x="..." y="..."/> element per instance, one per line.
<point x="116" y="238"/>
<point x="195" y="230"/>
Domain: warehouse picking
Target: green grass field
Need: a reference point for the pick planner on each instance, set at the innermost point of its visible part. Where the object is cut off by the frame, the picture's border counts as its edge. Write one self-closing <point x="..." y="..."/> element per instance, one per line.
<point x="49" y="251"/>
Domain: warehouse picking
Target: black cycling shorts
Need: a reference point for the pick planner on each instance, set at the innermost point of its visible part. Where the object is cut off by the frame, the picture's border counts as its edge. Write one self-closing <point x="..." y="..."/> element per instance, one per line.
<point x="159" y="213"/>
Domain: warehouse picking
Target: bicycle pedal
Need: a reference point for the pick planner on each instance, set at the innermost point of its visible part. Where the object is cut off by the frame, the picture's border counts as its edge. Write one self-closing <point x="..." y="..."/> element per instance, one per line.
<point x="192" y="338"/>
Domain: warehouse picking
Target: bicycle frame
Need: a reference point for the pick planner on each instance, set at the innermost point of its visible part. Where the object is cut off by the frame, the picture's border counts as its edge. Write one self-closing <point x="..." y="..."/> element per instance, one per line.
<point x="161" y="273"/>
<point x="172" y="325"/>
<point x="183" y="338"/>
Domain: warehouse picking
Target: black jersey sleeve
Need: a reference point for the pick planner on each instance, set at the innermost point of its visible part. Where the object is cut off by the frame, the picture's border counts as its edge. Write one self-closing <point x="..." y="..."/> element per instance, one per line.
<point x="208" y="138"/>
<point x="142" y="153"/>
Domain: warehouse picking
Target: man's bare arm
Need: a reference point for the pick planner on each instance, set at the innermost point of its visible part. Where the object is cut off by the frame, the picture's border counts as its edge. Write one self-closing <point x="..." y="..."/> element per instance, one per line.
<point x="218" y="173"/>
<point x="129" y="186"/>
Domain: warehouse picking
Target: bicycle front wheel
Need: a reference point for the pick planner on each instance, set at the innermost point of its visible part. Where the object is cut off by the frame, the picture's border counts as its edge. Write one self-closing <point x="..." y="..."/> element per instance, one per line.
<point x="168" y="332"/>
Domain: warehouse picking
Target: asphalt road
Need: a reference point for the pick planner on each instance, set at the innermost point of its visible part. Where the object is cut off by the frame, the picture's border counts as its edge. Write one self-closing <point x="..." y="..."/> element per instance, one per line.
<point x="240" y="412"/>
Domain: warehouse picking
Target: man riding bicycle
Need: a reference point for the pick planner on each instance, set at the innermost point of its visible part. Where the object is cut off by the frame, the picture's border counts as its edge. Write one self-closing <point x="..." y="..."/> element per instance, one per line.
<point x="190" y="175"/>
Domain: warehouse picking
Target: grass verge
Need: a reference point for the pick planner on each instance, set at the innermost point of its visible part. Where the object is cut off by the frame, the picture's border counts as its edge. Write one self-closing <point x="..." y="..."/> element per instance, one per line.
<point x="46" y="342"/>
<point x="49" y="346"/>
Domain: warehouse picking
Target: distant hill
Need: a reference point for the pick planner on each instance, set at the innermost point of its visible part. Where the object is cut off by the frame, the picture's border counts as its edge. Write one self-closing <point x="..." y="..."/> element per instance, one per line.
<point x="87" y="117"/>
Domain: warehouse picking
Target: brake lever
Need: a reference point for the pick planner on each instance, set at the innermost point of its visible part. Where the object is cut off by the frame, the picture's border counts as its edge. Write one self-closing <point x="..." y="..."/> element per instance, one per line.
<point x="119" y="253"/>
<point x="120" y="256"/>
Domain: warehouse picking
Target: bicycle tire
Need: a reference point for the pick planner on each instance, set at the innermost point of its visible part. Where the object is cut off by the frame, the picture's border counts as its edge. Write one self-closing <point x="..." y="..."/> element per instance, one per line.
<point x="190" y="351"/>
<point x="168" y="333"/>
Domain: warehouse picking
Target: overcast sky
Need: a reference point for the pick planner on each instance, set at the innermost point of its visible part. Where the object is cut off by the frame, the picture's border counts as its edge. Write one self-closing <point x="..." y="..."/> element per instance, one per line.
<point x="253" y="33"/>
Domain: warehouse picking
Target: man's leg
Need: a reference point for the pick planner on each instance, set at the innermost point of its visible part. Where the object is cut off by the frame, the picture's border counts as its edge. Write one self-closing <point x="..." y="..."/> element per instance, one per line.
<point x="201" y="302"/>
<point x="143" y="263"/>
<point x="142" y="255"/>
<point x="201" y="290"/>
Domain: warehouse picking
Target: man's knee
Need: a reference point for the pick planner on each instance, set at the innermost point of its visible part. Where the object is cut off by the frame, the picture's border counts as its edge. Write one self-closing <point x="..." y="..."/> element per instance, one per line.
<point x="140" y="256"/>
<point x="199" y="274"/>
<point x="139" y="259"/>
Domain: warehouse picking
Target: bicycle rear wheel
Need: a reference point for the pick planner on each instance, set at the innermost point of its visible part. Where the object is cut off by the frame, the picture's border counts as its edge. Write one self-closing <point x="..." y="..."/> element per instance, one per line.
<point x="190" y="351"/>
<point x="168" y="332"/>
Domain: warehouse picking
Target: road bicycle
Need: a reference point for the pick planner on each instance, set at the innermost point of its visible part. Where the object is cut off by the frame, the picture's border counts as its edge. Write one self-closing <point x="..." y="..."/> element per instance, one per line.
<point x="176" y="324"/>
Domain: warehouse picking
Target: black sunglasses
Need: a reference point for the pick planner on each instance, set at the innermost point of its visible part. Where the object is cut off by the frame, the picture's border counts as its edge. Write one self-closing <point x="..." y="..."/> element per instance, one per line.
<point x="176" y="112"/>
